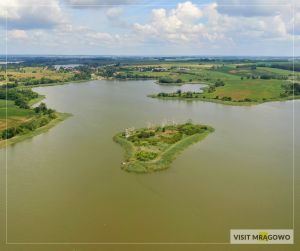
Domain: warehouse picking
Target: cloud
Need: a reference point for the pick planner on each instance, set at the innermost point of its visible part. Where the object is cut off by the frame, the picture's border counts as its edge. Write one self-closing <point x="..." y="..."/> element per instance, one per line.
<point x="102" y="38"/>
<point x="18" y="34"/>
<point x="187" y="27"/>
<point x="114" y="12"/>
<point x="31" y="14"/>
<point x="97" y="3"/>
<point x="178" y="21"/>
<point x="252" y="8"/>
<point x="179" y="25"/>
<point x="190" y="23"/>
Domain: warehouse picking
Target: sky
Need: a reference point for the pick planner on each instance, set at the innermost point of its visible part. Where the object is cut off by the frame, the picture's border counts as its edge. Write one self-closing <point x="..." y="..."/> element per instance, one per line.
<point x="150" y="28"/>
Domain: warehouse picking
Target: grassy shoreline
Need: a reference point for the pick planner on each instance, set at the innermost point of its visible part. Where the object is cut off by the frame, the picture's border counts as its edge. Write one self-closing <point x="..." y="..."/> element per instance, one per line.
<point x="163" y="159"/>
<point x="219" y="101"/>
<point x="60" y="83"/>
<point x="52" y="123"/>
<point x="60" y="117"/>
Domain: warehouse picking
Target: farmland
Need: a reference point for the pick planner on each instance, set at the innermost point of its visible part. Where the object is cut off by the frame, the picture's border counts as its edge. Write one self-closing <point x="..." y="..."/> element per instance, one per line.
<point x="242" y="84"/>
<point x="228" y="81"/>
<point x="18" y="120"/>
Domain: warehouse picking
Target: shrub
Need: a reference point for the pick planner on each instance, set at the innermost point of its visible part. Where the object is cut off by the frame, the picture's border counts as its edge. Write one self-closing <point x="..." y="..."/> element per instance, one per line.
<point x="219" y="83"/>
<point x="190" y="129"/>
<point x="166" y="80"/>
<point x="146" y="155"/>
<point x="145" y="134"/>
<point x="9" y="133"/>
<point x="226" y="98"/>
<point x="172" y="139"/>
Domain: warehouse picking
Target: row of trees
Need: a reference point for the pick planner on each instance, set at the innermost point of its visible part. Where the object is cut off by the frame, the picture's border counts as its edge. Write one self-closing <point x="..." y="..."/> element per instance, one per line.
<point x="291" y="89"/>
<point x="168" y="80"/>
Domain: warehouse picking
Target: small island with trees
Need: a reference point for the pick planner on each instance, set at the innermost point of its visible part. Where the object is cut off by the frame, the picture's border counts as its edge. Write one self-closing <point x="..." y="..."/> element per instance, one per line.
<point x="237" y="81"/>
<point x="155" y="147"/>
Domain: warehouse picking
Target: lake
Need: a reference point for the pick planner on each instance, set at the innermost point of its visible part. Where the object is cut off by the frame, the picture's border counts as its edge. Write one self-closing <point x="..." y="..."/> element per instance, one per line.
<point x="66" y="185"/>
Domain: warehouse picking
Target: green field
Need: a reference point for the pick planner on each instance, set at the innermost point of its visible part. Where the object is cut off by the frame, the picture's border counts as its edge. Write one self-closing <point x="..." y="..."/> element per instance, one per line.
<point x="26" y="74"/>
<point x="234" y="83"/>
<point x="14" y="114"/>
<point x="60" y="117"/>
<point x="244" y="84"/>
<point x="254" y="89"/>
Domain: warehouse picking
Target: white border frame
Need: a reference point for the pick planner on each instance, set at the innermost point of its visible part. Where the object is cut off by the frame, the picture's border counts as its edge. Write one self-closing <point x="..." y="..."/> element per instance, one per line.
<point x="291" y="5"/>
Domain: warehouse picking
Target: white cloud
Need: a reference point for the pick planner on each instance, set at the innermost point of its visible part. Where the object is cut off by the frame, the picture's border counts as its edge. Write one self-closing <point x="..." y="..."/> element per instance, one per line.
<point x="206" y="26"/>
<point x="97" y="3"/>
<point x="18" y="34"/>
<point x="185" y="27"/>
<point x="114" y="12"/>
<point x="180" y="25"/>
<point x="102" y="38"/>
<point x="31" y="14"/>
<point x="253" y="8"/>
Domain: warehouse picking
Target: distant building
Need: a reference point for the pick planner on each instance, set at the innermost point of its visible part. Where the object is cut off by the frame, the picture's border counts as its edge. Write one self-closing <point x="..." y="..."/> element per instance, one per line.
<point x="159" y="69"/>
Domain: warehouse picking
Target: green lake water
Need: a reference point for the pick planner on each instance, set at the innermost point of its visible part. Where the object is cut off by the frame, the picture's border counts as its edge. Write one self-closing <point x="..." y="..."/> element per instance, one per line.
<point x="66" y="185"/>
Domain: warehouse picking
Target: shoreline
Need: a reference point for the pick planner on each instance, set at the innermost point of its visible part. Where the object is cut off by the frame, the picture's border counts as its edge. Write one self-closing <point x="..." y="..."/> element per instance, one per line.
<point x="60" y="117"/>
<point x="231" y="103"/>
<point x="163" y="161"/>
<point x="63" y="116"/>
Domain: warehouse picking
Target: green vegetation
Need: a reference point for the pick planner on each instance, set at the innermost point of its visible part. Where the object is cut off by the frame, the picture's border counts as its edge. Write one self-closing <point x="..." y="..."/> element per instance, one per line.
<point x="232" y="81"/>
<point x="17" y="118"/>
<point x="42" y="117"/>
<point x="229" y="81"/>
<point x="33" y="76"/>
<point x="153" y="149"/>
<point x="31" y="133"/>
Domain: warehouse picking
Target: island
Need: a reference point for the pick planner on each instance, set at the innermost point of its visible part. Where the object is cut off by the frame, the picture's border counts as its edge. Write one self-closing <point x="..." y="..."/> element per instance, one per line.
<point x="155" y="147"/>
<point x="238" y="81"/>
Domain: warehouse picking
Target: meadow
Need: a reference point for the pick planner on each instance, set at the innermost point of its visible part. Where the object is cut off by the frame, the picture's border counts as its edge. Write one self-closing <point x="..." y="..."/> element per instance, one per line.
<point x="30" y="74"/>
<point x="15" y="115"/>
<point x="243" y="84"/>
<point x="228" y="81"/>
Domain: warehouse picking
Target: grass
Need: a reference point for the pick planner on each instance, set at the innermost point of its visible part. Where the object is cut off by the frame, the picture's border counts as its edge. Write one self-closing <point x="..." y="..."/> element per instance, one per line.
<point x="243" y="82"/>
<point x="15" y="115"/>
<point x="159" y="149"/>
<point x="27" y="73"/>
<point x="30" y="134"/>
<point x="255" y="89"/>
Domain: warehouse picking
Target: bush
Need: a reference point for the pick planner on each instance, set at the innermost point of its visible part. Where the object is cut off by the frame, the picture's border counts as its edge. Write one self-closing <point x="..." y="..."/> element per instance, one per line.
<point x="145" y="134"/>
<point x="226" y="98"/>
<point x="42" y="108"/>
<point x="166" y="80"/>
<point x="21" y="103"/>
<point x="219" y="83"/>
<point x="162" y="94"/>
<point x="172" y="139"/>
<point x="189" y="95"/>
<point x="9" y="133"/>
<point x="145" y="155"/>
<point x="190" y="129"/>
